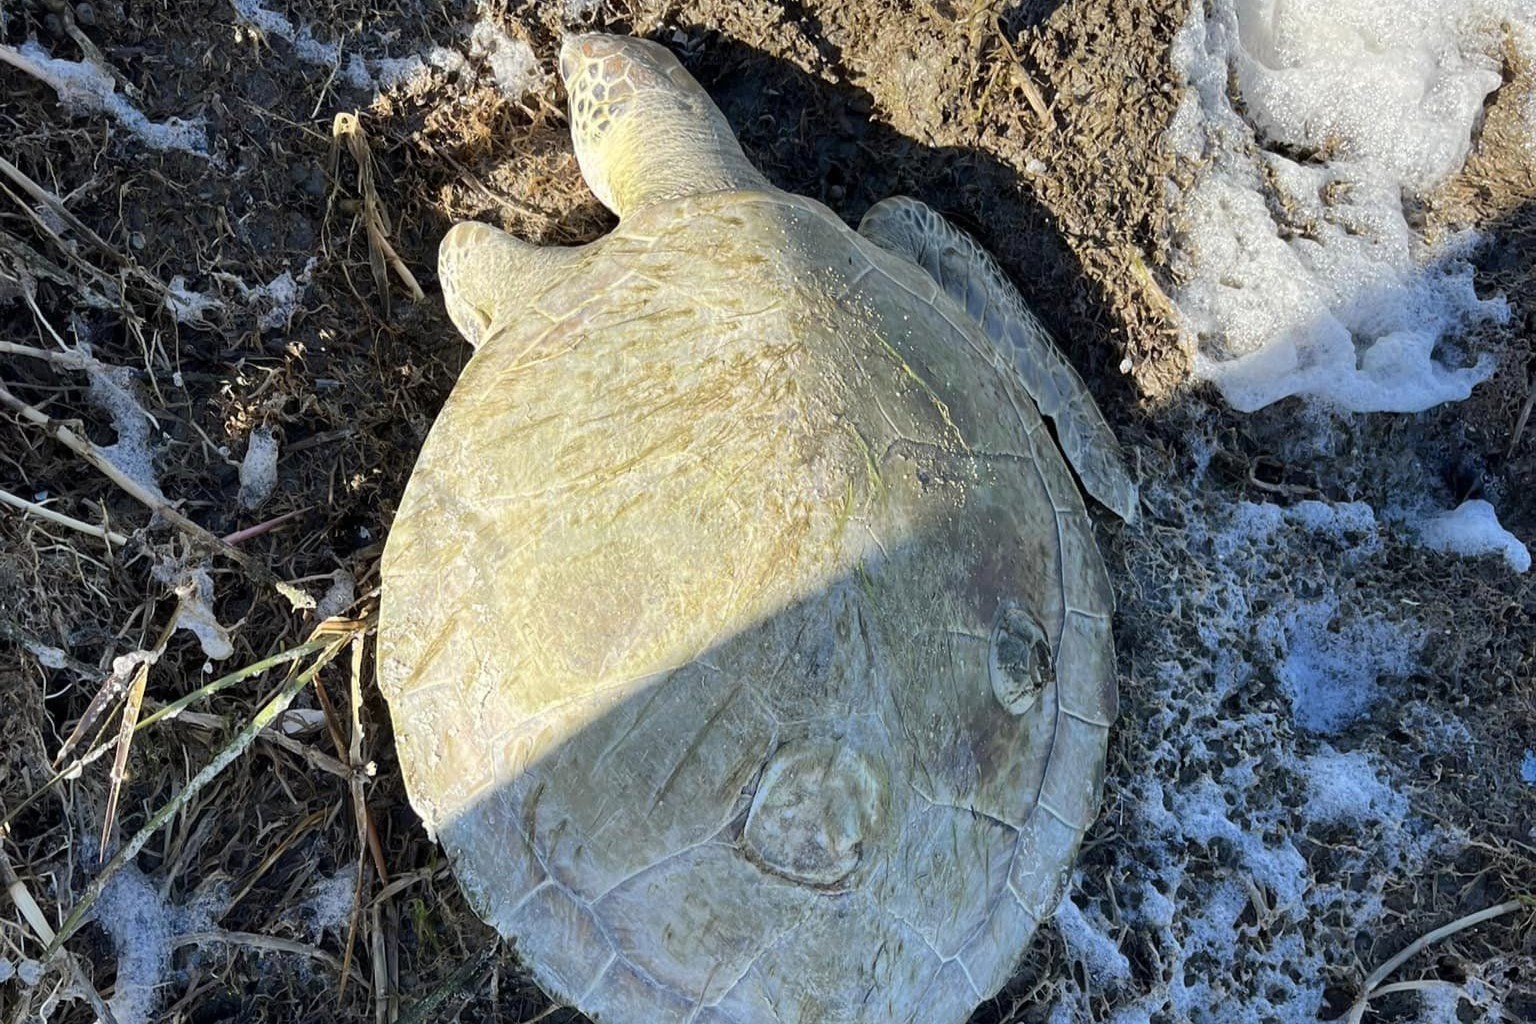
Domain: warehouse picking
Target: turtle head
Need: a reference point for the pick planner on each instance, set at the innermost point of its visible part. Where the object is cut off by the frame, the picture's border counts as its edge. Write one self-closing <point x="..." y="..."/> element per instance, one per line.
<point x="643" y="129"/>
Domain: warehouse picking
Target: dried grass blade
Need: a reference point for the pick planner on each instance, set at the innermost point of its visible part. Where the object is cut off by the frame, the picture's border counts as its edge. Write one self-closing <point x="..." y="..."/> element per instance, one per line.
<point x="1373" y="984"/>
<point x="106" y="696"/>
<point x="48" y="199"/>
<point x="255" y="940"/>
<point x="299" y="830"/>
<point x="382" y="257"/>
<point x="120" y="761"/>
<point x="296" y="681"/>
<point x="367" y="842"/>
<point x="353" y="921"/>
<point x="170" y="710"/>
<point x="1522" y="418"/>
<point x="360" y="768"/>
<point x="126" y="729"/>
<point x="111" y="537"/>
<point x="453" y="985"/>
<point x="379" y="964"/>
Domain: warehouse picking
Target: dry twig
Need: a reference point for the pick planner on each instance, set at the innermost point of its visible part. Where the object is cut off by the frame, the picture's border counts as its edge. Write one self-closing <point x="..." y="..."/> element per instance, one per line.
<point x="111" y="537"/>
<point x="1523" y="418"/>
<point x="125" y="732"/>
<point x="1373" y="986"/>
<point x="348" y="130"/>
<point x="92" y="454"/>
<point x="340" y="634"/>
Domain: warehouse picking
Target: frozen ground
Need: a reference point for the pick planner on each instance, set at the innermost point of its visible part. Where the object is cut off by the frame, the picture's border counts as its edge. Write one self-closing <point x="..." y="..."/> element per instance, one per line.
<point x="1325" y="749"/>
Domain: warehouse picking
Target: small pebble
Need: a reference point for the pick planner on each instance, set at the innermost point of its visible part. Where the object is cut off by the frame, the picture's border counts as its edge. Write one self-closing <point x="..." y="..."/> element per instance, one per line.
<point x="85" y="14"/>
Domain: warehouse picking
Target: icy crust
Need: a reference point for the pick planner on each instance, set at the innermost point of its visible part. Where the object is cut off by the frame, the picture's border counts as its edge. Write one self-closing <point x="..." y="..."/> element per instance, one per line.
<point x="133" y="453"/>
<point x="1471" y="529"/>
<point x="258" y="470"/>
<point x="510" y="61"/>
<point x="83" y="85"/>
<point x="1256" y="838"/>
<point x="1299" y="271"/>
<point x="145" y="928"/>
<point x="1326" y="656"/>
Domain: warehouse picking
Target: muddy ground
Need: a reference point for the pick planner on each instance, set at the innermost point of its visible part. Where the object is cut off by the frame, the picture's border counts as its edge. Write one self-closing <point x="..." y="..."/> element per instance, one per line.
<point x="1038" y="126"/>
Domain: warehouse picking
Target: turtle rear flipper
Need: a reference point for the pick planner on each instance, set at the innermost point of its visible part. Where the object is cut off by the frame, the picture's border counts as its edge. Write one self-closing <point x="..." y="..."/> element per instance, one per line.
<point x="970" y="276"/>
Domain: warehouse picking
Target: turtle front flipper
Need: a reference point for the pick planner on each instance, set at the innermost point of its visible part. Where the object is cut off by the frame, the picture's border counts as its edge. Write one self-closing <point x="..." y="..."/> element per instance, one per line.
<point x="487" y="274"/>
<point x="970" y="276"/>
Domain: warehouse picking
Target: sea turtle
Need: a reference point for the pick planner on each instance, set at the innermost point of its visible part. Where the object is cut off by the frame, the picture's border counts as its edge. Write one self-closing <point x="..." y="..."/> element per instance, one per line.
<point x="745" y="635"/>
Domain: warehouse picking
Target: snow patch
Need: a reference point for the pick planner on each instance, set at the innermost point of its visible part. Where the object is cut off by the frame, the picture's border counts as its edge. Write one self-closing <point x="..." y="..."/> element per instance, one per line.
<point x="1088" y="942"/>
<point x="1329" y="662"/>
<point x="282" y="295"/>
<point x="305" y="46"/>
<point x="1213" y="875"/>
<point x="258" y="470"/>
<point x="194" y="611"/>
<point x="187" y="306"/>
<point x="1251" y="851"/>
<point x="1438" y="728"/>
<point x="282" y="292"/>
<point x="139" y="923"/>
<point x="1301" y="272"/>
<point x="1348" y="788"/>
<point x="580" y="11"/>
<point x="1327" y="658"/>
<point x="143" y="926"/>
<point x="1203" y="816"/>
<point x="330" y="901"/>
<point x="1528" y="768"/>
<point x="85" y="86"/>
<point x="338" y="597"/>
<point x="195" y="614"/>
<point x="511" y="60"/>
<point x="389" y="72"/>
<point x="1472" y="529"/>
<point x="133" y="454"/>
<point x="48" y="657"/>
<point x="278" y="300"/>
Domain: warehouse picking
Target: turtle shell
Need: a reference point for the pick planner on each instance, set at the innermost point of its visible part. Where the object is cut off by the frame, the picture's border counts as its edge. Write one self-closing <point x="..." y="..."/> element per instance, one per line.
<point x="746" y="640"/>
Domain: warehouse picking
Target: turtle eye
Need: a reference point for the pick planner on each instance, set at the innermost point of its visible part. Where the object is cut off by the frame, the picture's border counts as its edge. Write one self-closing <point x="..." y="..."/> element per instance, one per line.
<point x="1019" y="661"/>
